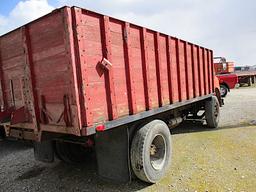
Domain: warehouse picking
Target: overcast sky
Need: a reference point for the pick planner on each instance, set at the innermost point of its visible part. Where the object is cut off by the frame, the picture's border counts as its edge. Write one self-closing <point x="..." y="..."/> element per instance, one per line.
<point x="228" y="27"/>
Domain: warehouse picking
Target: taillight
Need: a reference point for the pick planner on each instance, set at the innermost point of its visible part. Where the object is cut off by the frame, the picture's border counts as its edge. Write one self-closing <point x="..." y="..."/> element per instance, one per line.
<point x="100" y="128"/>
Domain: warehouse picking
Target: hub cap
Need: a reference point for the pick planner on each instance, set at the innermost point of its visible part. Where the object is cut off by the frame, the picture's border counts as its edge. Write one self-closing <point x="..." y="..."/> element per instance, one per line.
<point x="158" y="152"/>
<point x="222" y="91"/>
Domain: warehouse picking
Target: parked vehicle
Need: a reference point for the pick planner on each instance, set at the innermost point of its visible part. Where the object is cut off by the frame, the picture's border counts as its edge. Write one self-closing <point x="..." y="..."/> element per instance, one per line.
<point x="225" y="72"/>
<point x="246" y="76"/>
<point x="75" y="80"/>
<point x="227" y="82"/>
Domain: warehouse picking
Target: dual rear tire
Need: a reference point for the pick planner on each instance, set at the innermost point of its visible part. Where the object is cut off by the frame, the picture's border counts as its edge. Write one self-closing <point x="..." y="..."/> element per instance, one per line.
<point x="151" y="151"/>
<point x="212" y="112"/>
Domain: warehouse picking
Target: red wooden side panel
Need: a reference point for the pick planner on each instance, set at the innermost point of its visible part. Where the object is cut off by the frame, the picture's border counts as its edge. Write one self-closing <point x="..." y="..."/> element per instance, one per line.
<point x="93" y="80"/>
<point x="189" y="70"/>
<point x="2" y="89"/>
<point x="52" y="70"/>
<point x="158" y="56"/>
<point x="145" y="69"/>
<point x="129" y="71"/>
<point x="206" y="71"/>
<point x="164" y="69"/>
<point x="168" y="62"/>
<point x="136" y="64"/>
<point x="210" y="65"/>
<point x="37" y="73"/>
<point x="12" y="63"/>
<point x="119" y="72"/>
<point x="64" y="50"/>
<point x="182" y="71"/>
<point x="174" y="70"/>
<point x="153" y="94"/>
<point x="201" y="71"/>
<point x="195" y="71"/>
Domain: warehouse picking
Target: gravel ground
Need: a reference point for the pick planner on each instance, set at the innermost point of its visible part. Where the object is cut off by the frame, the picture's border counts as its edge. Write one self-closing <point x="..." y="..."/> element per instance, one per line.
<point x="203" y="160"/>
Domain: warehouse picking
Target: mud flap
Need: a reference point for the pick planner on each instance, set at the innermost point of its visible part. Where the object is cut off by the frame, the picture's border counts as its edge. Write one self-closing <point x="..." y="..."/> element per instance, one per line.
<point x="112" y="150"/>
<point x="2" y="132"/>
<point x="43" y="151"/>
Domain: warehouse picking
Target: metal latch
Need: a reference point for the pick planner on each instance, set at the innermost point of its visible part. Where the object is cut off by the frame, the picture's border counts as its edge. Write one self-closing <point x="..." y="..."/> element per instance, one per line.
<point x="106" y="64"/>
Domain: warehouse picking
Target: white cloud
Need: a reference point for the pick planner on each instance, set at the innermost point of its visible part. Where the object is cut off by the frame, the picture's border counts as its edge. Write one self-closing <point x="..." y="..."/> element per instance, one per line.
<point x="23" y="12"/>
<point x="3" y="20"/>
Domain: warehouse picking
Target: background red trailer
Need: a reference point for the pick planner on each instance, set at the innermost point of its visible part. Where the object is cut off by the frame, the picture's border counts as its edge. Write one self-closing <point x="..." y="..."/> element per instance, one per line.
<point x="74" y="73"/>
<point x="246" y="77"/>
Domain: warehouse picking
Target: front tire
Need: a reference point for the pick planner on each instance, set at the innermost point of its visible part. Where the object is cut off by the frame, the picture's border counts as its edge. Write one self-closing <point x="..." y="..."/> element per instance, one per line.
<point x="151" y="151"/>
<point x="223" y="90"/>
<point x="212" y="112"/>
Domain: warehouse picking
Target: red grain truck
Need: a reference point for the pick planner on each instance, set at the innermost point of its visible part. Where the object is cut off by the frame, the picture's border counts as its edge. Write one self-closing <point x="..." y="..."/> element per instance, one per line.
<point x="75" y="80"/>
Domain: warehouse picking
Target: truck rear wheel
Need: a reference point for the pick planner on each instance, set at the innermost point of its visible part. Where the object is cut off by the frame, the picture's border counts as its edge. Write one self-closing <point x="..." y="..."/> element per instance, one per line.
<point x="151" y="151"/>
<point x="212" y="112"/>
<point x="70" y="152"/>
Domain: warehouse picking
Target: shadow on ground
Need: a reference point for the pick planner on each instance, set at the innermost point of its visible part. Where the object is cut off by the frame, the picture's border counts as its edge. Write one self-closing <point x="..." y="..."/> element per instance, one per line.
<point x="191" y="127"/>
<point x="12" y="146"/>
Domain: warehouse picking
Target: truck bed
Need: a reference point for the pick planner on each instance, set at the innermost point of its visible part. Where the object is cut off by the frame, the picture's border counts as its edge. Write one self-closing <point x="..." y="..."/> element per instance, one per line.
<point x="74" y="69"/>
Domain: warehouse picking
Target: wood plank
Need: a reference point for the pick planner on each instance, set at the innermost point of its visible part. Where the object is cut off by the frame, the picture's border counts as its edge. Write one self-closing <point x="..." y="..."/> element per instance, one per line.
<point x="77" y="120"/>
<point x="129" y="71"/>
<point x="29" y="83"/>
<point x="158" y="69"/>
<point x="82" y="92"/>
<point x="145" y="69"/>
<point x="112" y="107"/>
<point x="206" y="75"/>
<point x="2" y="84"/>
<point x="168" y="52"/>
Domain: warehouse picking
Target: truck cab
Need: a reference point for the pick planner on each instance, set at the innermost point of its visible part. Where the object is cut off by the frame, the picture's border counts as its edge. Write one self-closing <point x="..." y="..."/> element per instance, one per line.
<point x="225" y="73"/>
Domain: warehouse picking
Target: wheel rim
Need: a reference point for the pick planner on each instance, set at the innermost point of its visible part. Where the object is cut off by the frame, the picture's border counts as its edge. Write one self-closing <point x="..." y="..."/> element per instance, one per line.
<point x="222" y="91"/>
<point x="158" y="152"/>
